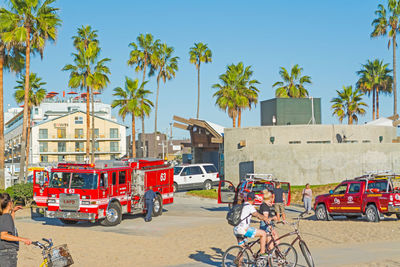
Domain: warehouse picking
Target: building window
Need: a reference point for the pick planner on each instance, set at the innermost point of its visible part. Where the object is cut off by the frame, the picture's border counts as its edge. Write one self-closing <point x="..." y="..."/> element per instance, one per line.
<point x="78" y="133"/>
<point x="318" y="142"/>
<point x="62" y="147"/>
<point x="112" y="157"/>
<point x="44" y="159"/>
<point x="96" y="133"/>
<point x="61" y="133"/>
<point x="36" y="111"/>
<point x="43" y="134"/>
<point x="43" y="147"/>
<point x="114" y="133"/>
<point x="79" y="158"/>
<point x="114" y="147"/>
<point x="294" y="142"/>
<point x="96" y="146"/>
<point x="78" y="120"/>
<point x="61" y="158"/>
<point x="79" y="146"/>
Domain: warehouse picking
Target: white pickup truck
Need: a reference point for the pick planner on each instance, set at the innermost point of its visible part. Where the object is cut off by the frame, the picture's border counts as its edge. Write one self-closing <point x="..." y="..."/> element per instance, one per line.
<point x="193" y="176"/>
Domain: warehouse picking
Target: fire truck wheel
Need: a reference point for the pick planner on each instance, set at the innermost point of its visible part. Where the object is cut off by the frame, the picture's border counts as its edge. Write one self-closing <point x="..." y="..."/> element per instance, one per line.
<point x="68" y="221"/>
<point x="113" y="215"/>
<point x="207" y="185"/>
<point x="157" y="207"/>
<point x="175" y="187"/>
<point x="372" y="213"/>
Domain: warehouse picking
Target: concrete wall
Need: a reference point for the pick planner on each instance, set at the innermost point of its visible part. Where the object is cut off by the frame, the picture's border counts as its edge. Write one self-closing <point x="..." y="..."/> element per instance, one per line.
<point x="310" y="163"/>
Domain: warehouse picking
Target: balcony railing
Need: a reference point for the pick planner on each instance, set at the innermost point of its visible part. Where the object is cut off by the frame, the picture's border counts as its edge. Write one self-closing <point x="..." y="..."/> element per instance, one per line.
<point x="96" y="151"/>
<point x="80" y="137"/>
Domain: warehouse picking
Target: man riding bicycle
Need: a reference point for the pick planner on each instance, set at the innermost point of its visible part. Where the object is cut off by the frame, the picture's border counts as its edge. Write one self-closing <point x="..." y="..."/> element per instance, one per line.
<point x="243" y="229"/>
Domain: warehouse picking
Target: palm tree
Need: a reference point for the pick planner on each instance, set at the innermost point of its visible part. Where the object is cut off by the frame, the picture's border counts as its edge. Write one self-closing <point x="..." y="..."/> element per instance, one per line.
<point x="375" y="78"/>
<point x="199" y="53"/>
<point x="141" y="57"/>
<point x="30" y="23"/>
<point x="36" y="96"/>
<point x="11" y="59"/>
<point x="132" y="100"/>
<point x="348" y="104"/>
<point x="237" y="91"/>
<point x="86" y="60"/>
<point x="293" y="84"/>
<point x="166" y="66"/>
<point x="387" y="22"/>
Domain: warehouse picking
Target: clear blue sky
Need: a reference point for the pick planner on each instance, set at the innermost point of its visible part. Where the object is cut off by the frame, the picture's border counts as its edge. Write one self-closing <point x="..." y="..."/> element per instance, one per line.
<point x="329" y="39"/>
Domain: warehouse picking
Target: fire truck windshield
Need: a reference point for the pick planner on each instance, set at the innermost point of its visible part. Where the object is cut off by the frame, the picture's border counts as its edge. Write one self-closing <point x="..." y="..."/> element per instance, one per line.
<point x="76" y="180"/>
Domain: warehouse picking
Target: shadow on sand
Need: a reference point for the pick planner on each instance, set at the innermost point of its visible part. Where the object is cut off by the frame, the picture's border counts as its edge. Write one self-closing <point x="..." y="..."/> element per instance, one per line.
<point x="212" y="260"/>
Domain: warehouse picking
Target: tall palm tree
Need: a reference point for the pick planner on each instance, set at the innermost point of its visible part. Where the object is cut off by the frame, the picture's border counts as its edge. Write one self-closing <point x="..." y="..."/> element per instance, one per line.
<point x="199" y="53"/>
<point x="11" y="58"/>
<point x="36" y="96"/>
<point x="292" y="85"/>
<point x="375" y="78"/>
<point x="348" y="104"/>
<point x="165" y="65"/>
<point x="387" y="22"/>
<point x="30" y="23"/>
<point x="140" y="56"/>
<point x="131" y="100"/>
<point x="85" y="61"/>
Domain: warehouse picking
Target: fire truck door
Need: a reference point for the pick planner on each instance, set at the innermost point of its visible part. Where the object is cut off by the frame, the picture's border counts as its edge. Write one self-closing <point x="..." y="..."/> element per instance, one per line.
<point x="113" y="183"/>
<point x="103" y="185"/>
<point x="40" y="187"/>
<point x="122" y="190"/>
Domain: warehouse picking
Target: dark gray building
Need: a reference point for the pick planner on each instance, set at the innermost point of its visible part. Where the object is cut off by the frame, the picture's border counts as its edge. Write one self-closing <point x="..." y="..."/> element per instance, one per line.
<point x="290" y="111"/>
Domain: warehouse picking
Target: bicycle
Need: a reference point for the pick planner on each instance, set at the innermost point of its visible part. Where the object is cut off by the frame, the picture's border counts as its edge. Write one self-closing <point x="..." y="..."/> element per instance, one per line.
<point x="302" y="244"/>
<point x="58" y="256"/>
<point x="283" y="254"/>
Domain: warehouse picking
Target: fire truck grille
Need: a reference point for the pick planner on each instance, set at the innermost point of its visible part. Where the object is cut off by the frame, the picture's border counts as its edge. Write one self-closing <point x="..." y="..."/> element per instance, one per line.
<point x="69" y="202"/>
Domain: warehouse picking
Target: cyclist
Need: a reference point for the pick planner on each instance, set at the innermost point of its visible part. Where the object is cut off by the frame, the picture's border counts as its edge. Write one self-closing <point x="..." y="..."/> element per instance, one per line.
<point x="244" y="229"/>
<point x="266" y="225"/>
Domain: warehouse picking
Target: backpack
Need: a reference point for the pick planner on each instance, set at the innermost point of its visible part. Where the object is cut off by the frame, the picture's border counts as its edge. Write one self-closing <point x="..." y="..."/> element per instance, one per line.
<point x="234" y="214"/>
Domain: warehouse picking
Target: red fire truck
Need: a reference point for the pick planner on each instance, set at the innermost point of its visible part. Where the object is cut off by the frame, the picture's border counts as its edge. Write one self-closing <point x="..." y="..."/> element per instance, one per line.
<point x="102" y="191"/>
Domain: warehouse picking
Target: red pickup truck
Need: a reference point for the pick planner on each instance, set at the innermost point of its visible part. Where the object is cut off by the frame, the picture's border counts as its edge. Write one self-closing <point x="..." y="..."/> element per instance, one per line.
<point x="374" y="196"/>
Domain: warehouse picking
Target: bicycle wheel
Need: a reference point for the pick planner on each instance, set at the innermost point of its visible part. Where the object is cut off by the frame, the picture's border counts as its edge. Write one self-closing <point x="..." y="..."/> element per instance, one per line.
<point x="306" y="254"/>
<point x="283" y="255"/>
<point x="236" y="256"/>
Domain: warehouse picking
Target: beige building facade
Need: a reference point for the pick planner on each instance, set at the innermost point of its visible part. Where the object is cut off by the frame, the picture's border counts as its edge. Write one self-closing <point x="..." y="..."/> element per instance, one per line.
<point x="64" y="139"/>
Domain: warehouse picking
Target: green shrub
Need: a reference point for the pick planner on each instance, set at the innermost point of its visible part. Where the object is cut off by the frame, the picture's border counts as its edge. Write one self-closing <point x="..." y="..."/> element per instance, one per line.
<point x="21" y="193"/>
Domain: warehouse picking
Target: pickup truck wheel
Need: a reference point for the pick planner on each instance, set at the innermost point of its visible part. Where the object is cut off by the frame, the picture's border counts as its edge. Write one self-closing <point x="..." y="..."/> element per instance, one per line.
<point x="70" y="222"/>
<point x="321" y="213"/>
<point x="207" y="185"/>
<point x="113" y="215"/>
<point x="157" y="206"/>
<point x="372" y="214"/>
<point x="175" y="187"/>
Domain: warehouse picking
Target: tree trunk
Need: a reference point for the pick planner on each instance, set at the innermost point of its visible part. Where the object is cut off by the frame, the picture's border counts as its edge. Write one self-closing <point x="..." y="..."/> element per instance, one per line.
<point x="349" y="119"/>
<point x="394" y="76"/>
<point x="142" y="139"/>
<point x="155" y="119"/>
<point x="2" y="144"/>
<point x="144" y="68"/>
<point x="234" y="121"/>
<point x="377" y="103"/>
<point x="87" y="122"/>
<point x="198" y="91"/>
<point x="93" y="136"/>
<point x="28" y="138"/>
<point x="133" y="137"/>
<point x="373" y="103"/>
<point x="239" y="123"/>
<point x="22" y="173"/>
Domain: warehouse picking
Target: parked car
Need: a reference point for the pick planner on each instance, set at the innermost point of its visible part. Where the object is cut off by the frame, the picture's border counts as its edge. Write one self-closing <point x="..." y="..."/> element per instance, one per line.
<point x="374" y="196"/>
<point x="257" y="183"/>
<point x="193" y="176"/>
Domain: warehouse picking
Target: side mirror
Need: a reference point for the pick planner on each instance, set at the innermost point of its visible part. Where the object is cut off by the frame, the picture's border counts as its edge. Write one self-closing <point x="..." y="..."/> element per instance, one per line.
<point x="330" y="191"/>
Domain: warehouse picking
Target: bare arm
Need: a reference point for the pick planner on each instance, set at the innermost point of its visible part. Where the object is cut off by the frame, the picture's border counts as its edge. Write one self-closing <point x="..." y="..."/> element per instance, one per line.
<point x="259" y="216"/>
<point x="6" y="236"/>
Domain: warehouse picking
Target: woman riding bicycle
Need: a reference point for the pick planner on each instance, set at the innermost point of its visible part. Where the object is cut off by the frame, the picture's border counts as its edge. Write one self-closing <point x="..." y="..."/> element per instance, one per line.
<point x="9" y="240"/>
<point x="267" y="225"/>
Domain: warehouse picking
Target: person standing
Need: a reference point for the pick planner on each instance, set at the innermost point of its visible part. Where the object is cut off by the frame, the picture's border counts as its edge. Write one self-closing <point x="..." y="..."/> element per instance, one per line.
<point x="9" y="239"/>
<point x="279" y="200"/>
<point x="307" y="198"/>
<point x="149" y="197"/>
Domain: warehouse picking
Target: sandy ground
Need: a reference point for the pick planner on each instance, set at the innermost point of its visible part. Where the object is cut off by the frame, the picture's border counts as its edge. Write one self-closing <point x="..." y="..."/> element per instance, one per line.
<point x="189" y="233"/>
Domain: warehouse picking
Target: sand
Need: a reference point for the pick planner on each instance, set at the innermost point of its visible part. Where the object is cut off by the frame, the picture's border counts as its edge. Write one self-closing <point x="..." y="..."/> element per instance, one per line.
<point x="191" y="244"/>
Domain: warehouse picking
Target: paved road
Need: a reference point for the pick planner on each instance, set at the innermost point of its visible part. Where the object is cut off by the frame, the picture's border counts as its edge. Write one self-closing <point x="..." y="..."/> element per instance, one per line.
<point x="189" y="212"/>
